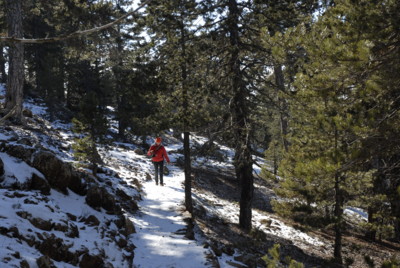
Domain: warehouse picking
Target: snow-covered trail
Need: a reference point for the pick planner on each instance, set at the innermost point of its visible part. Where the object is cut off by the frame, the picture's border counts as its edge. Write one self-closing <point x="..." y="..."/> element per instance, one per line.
<point x="157" y="240"/>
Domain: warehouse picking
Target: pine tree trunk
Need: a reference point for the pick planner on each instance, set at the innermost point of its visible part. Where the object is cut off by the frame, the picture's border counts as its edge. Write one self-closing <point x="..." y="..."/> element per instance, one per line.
<point x="188" y="173"/>
<point x="15" y="80"/>
<point x="244" y="172"/>
<point x="3" y="78"/>
<point x="186" y="134"/>
<point x="395" y="205"/>
<point x="121" y="99"/>
<point x="238" y="108"/>
<point x="371" y="234"/>
<point x="338" y="213"/>
<point x="280" y="83"/>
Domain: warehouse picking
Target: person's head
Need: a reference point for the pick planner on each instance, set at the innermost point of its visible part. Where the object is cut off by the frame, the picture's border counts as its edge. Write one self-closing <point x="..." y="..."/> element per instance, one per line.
<point x="158" y="140"/>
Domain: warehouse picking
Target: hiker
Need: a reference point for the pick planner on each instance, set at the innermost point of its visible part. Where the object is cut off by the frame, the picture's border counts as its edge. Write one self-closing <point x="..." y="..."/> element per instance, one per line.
<point x="158" y="154"/>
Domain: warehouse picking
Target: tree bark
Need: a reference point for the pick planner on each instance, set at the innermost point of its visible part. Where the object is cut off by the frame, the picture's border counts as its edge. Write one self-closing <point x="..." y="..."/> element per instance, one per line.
<point x="188" y="173"/>
<point x="15" y="79"/>
<point x="121" y="98"/>
<point x="3" y="78"/>
<point x="186" y="133"/>
<point x="338" y="213"/>
<point x="371" y="234"/>
<point x="395" y="205"/>
<point x="238" y="107"/>
<point x="280" y="83"/>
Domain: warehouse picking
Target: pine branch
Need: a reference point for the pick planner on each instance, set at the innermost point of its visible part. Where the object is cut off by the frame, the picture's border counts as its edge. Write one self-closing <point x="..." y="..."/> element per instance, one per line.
<point x="71" y="35"/>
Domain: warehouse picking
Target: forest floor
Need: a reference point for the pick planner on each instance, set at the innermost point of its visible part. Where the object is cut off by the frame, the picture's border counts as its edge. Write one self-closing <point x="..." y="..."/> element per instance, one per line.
<point x="226" y="234"/>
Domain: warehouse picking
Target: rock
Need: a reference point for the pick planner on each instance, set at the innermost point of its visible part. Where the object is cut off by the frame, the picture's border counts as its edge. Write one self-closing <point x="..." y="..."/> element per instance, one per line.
<point x="24" y="264"/>
<point x="57" y="173"/>
<point x="73" y="231"/>
<point x="148" y="177"/>
<point x="125" y="225"/>
<point x="124" y="196"/>
<point x="129" y="227"/>
<point x="139" y="151"/>
<point x="19" y="151"/>
<point x="229" y="250"/>
<point x="132" y="206"/>
<point x="41" y="224"/>
<point x="61" y="227"/>
<point x="39" y="183"/>
<point x="27" y="113"/>
<point x="98" y="197"/>
<point x="77" y="184"/>
<point x="45" y="262"/>
<point x="91" y="261"/>
<point x="122" y="243"/>
<point x="55" y="248"/>
<point x="26" y="141"/>
<point x="71" y="217"/>
<point x="91" y="221"/>
<point x="180" y="162"/>
<point x="23" y="214"/>
<point x="69" y="228"/>
<point x="216" y="249"/>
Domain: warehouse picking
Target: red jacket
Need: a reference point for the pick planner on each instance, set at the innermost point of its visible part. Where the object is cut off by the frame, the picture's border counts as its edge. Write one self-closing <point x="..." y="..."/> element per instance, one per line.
<point x="159" y="153"/>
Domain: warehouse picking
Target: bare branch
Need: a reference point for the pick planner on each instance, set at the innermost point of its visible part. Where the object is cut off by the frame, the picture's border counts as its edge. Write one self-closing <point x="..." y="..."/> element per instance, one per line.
<point x="74" y="34"/>
<point x="10" y="114"/>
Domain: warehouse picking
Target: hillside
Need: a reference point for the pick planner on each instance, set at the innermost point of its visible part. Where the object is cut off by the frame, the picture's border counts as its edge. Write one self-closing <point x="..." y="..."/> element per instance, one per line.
<point x="55" y="213"/>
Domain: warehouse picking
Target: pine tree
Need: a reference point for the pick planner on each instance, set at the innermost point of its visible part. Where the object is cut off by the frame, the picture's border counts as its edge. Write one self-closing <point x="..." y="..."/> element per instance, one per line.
<point x="273" y="259"/>
<point x="327" y="164"/>
<point x="242" y="83"/>
<point x="377" y="22"/>
<point x="91" y="127"/>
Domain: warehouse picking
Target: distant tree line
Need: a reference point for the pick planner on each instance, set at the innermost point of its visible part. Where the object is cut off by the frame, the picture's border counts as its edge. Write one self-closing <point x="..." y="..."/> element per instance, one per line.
<point x="314" y="82"/>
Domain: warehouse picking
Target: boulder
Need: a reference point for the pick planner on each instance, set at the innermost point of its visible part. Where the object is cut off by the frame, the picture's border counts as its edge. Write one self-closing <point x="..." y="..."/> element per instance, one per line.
<point x="98" y="197"/>
<point x="77" y="184"/>
<point x="56" y="249"/>
<point x="125" y="225"/>
<point x="39" y="183"/>
<point x="91" y="261"/>
<point x="19" y="151"/>
<point x="41" y="224"/>
<point x="45" y="262"/>
<point x="57" y="173"/>
<point x="91" y="220"/>
<point x="24" y="264"/>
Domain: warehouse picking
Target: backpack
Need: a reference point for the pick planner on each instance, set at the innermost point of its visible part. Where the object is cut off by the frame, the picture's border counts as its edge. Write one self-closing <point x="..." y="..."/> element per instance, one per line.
<point x="156" y="150"/>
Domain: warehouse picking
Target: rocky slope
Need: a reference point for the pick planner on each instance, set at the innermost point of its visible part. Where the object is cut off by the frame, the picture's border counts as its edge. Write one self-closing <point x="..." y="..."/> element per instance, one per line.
<point x="54" y="214"/>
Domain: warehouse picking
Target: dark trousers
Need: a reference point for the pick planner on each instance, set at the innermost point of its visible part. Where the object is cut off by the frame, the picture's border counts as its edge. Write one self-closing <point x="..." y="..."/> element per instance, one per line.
<point x="159" y="168"/>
